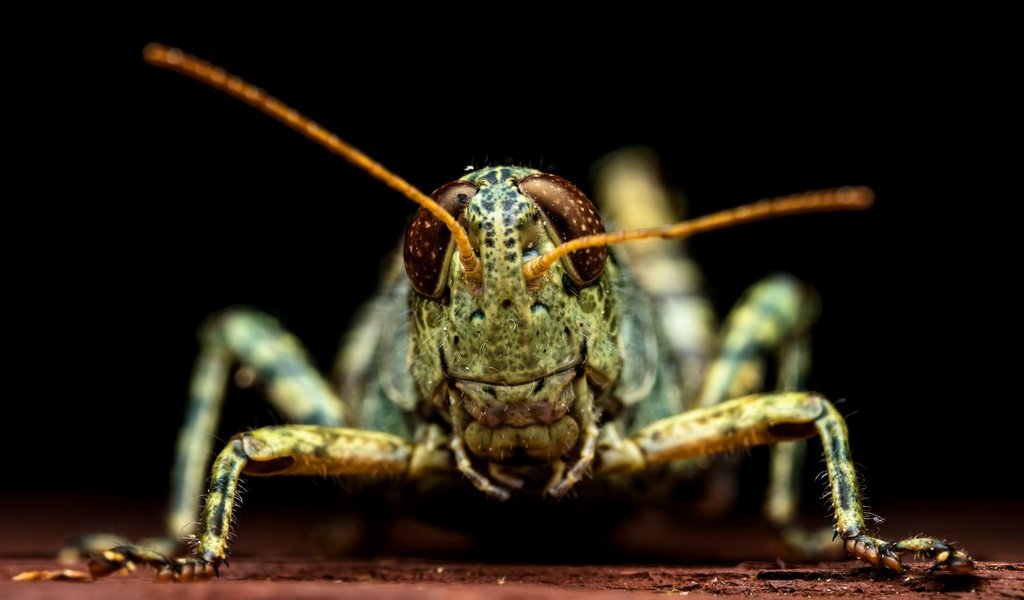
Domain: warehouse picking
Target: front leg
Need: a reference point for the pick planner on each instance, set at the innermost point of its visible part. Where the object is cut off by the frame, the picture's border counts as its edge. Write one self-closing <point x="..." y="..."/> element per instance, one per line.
<point x="772" y="418"/>
<point x="271" y="451"/>
<point x="265" y="352"/>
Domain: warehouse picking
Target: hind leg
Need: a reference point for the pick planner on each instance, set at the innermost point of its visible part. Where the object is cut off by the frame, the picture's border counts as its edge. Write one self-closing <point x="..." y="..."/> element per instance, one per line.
<point x="629" y="191"/>
<point x="264" y="350"/>
<point x="771" y="319"/>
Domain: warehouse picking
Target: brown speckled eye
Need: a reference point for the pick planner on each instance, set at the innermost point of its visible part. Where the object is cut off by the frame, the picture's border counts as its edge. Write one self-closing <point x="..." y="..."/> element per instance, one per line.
<point x="428" y="243"/>
<point x="570" y="215"/>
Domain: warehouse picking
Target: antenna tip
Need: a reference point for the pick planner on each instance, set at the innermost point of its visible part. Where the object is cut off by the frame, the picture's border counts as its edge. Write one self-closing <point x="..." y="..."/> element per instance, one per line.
<point x="856" y="197"/>
<point x="158" y="53"/>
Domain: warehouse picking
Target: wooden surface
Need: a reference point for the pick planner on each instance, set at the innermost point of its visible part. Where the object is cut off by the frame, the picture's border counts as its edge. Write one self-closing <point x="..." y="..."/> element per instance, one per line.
<point x="275" y="558"/>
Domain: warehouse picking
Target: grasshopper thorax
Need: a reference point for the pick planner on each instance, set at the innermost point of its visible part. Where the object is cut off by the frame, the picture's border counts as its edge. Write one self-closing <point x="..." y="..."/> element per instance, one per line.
<point x="505" y="359"/>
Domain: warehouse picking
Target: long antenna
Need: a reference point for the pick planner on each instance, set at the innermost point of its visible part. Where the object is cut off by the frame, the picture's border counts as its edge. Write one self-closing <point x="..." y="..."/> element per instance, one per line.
<point x="174" y="59"/>
<point x="847" y="198"/>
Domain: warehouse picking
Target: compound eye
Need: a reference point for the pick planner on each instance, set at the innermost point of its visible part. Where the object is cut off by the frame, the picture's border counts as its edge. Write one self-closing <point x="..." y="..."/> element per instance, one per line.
<point x="428" y="243"/>
<point x="569" y="215"/>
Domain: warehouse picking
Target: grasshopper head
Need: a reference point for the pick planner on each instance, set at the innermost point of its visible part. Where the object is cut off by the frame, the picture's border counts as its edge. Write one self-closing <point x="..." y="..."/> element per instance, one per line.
<point x="513" y="352"/>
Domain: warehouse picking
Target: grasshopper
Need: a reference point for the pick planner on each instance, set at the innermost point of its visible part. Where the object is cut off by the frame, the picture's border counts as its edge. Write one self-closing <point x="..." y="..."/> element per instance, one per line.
<point x="517" y="351"/>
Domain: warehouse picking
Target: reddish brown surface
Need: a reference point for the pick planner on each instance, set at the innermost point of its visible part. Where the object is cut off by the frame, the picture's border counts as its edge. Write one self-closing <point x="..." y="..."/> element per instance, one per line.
<point x="409" y="578"/>
<point x="271" y="562"/>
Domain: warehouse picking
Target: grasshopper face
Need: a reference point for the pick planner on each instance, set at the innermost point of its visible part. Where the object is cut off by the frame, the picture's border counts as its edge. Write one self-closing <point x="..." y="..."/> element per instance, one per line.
<point x="506" y="360"/>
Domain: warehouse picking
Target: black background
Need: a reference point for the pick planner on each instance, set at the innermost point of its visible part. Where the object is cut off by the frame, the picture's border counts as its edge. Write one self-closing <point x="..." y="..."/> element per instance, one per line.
<point x="143" y="201"/>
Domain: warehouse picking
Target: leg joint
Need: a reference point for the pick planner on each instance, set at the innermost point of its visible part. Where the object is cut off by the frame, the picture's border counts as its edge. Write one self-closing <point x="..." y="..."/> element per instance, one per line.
<point x="808" y="409"/>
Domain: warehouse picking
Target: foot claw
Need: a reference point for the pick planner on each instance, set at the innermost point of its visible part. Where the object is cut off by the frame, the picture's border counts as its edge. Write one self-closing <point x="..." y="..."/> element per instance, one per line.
<point x="112" y="561"/>
<point x="946" y="556"/>
<point x="949" y="558"/>
<point x="960" y="563"/>
<point x="892" y="563"/>
<point x="165" y="575"/>
<point x="877" y="552"/>
<point x="874" y="551"/>
<point x="890" y="560"/>
<point x="124" y="558"/>
<point x="191" y="569"/>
